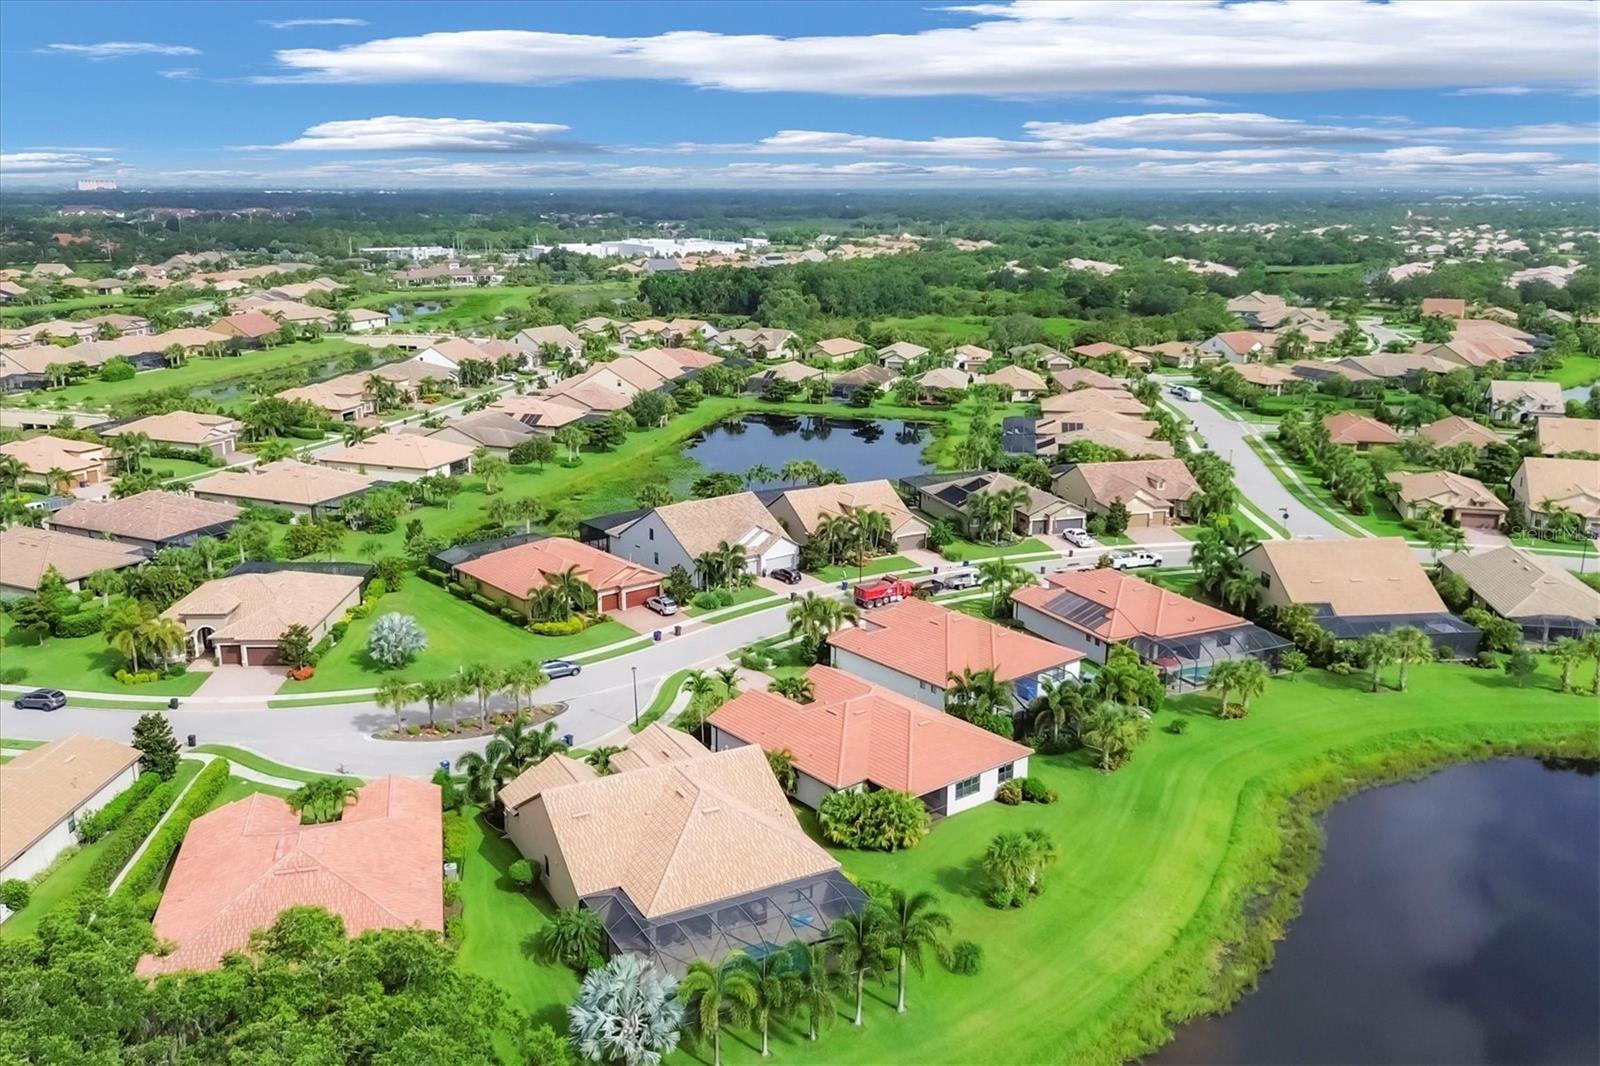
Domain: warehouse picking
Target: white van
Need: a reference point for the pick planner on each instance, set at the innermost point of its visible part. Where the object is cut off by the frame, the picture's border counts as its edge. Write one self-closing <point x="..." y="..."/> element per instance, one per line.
<point x="1187" y="392"/>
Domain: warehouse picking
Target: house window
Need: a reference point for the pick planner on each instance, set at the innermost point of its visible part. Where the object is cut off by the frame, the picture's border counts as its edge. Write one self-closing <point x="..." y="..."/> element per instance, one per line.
<point x="966" y="788"/>
<point x="1007" y="772"/>
<point x="657" y="557"/>
<point x="650" y="534"/>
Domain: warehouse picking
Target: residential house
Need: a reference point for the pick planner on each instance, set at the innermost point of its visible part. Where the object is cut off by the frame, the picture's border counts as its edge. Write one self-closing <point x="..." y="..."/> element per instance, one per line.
<point x="402" y="457"/>
<point x="1524" y="401"/>
<point x="1018" y="384"/>
<point x="1241" y="346"/>
<point x="684" y="854"/>
<point x="1542" y="596"/>
<point x="299" y="290"/>
<point x="1548" y="487"/>
<point x="1443" y="307"/>
<point x="1048" y="358"/>
<point x="1272" y="379"/>
<point x="44" y="791"/>
<point x="1358" y="587"/>
<point x="510" y="577"/>
<point x="802" y="511"/>
<point x="604" y="387"/>
<point x="496" y="432"/>
<point x="1452" y="430"/>
<point x="949" y="496"/>
<point x="769" y="343"/>
<point x="597" y="324"/>
<point x="1083" y="377"/>
<point x="538" y="341"/>
<point x="1259" y="310"/>
<point x="125" y="325"/>
<point x="380" y="865"/>
<point x="1103" y="350"/>
<point x="679" y="533"/>
<point x="84" y="462"/>
<point x="918" y="648"/>
<point x="1175" y="353"/>
<point x="239" y="619"/>
<point x="149" y="520"/>
<point x="788" y="370"/>
<point x="539" y="413"/>
<point x="1558" y="436"/>
<point x="647" y="329"/>
<point x="1358" y="430"/>
<point x="344" y="399"/>
<point x="854" y="736"/>
<point x="1091" y="611"/>
<point x="302" y="488"/>
<point x="449" y="353"/>
<point x="944" y="379"/>
<point x="213" y="434"/>
<point x="845" y="385"/>
<point x="288" y="311"/>
<point x="26" y="554"/>
<point x="1156" y="492"/>
<point x="681" y="329"/>
<point x="838" y="349"/>
<point x="969" y="357"/>
<point x="895" y="356"/>
<point x="1048" y="436"/>
<point x="251" y="327"/>
<point x="1114" y="399"/>
<point x="364" y="320"/>
<point x="1459" y="500"/>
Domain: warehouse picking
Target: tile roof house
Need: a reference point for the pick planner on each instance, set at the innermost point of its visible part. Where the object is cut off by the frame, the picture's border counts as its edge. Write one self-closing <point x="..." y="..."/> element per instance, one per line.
<point x="1017" y="383"/>
<point x="149" y="520"/>
<point x="1541" y="483"/>
<point x="541" y="414"/>
<point x="845" y="384"/>
<point x="1523" y="401"/>
<point x="854" y="735"/>
<point x="895" y="356"/>
<point x="800" y="511"/>
<point x="1241" y="346"/>
<point x="1556" y="436"/>
<point x="44" y="790"/>
<point x="1091" y="611"/>
<point x="950" y="495"/>
<point x="1443" y="307"/>
<point x="837" y="348"/>
<point x="217" y="434"/>
<point x="249" y="325"/>
<point x="1114" y="399"/>
<point x="84" y="461"/>
<point x="1101" y="350"/>
<point x="679" y="533"/>
<point x="1156" y="492"/>
<point x="344" y="398"/>
<point x="1453" y="429"/>
<point x="1265" y="376"/>
<point x="1544" y="597"/>
<point x="303" y="488"/>
<point x="1359" y="430"/>
<point x="1082" y="375"/>
<point x="534" y="340"/>
<point x="946" y="379"/>
<point x="967" y="356"/>
<point x="380" y="866"/>
<point x="1460" y="500"/>
<point x="685" y="854"/>
<point x="1175" y="353"/>
<point x="495" y="431"/>
<point x="402" y="457"/>
<point x="1259" y="309"/>
<point x="509" y="577"/>
<point x="238" y="619"/>
<point x="26" y="553"/>
<point x="914" y="648"/>
<point x="771" y="343"/>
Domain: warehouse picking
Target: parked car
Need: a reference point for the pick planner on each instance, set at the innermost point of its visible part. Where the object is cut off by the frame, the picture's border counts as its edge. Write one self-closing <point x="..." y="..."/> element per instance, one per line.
<point x="560" y="668"/>
<point x="41" y="699"/>
<point x="787" y="575"/>
<point x="662" y="604"/>
<point x="1187" y="392"/>
<point x="1078" y="538"/>
<point x="962" y="577"/>
<point x="1135" y="560"/>
<point x="505" y="377"/>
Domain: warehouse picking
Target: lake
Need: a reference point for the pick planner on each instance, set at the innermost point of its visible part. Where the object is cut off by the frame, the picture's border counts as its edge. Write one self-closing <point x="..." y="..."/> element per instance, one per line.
<point x="860" y="449"/>
<point x="1454" y="920"/>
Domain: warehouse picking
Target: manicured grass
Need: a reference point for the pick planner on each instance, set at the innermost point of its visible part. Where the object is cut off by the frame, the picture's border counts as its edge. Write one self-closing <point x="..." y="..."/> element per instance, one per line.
<point x="1574" y="370"/>
<point x="497" y="919"/>
<point x="175" y="469"/>
<point x="889" y="564"/>
<point x="1312" y="494"/>
<point x="472" y="305"/>
<point x="745" y="595"/>
<point x="13" y="742"/>
<point x="961" y="549"/>
<point x="261" y="764"/>
<point x="458" y="632"/>
<point x="663" y="699"/>
<point x="239" y="788"/>
<point x="84" y="663"/>
<point x="13" y="315"/>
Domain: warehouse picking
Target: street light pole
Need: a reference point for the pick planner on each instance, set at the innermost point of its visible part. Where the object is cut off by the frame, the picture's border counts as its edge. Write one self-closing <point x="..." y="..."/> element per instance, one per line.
<point x="635" y="670"/>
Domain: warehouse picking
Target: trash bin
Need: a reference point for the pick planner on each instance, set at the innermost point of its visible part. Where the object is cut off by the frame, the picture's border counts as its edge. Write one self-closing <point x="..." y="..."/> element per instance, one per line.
<point x="191" y="740"/>
<point x="566" y="738"/>
<point x="677" y="630"/>
<point x="172" y="704"/>
<point x="658" y="636"/>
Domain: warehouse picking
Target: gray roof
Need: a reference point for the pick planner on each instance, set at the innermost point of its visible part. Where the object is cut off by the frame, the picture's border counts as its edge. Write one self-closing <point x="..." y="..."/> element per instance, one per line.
<point x="1518" y="584"/>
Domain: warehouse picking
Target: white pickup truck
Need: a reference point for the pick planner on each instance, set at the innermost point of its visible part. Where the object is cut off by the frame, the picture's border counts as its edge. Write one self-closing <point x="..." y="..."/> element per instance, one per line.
<point x="1134" y="560"/>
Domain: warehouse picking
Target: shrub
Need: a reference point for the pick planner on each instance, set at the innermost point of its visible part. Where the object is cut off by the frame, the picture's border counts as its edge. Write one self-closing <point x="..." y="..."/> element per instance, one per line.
<point x="145" y="875"/>
<point x="455" y="839"/>
<point x="449" y="794"/>
<point x="147" y="904"/>
<point x="338" y="630"/>
<point x="15" y="894"/>
<point x="13" y="675"/>
<point x="363" y="609"/>
<point x="966" y="958"/>
<point x="438" y="577"/>
<point x="120" y="845"/>
<point x="886" y="820"/>
<point x="306" y="432"/>
<point x="82" y="624"/>
<point x="705" y="600"/>
<point x="93" y="826"/>
<point x="395" y="639"/>
<point x="1178" y="726"/>
<point x="565" y="628"/>
<point x="511" y="615"/>
<point x="453" y="929"/>
<point x="485" y="602"/>
<point x="117" y="369"/>
<point x="521" y="874"/>
<point x="751" y="661"/>
<point x="452" y="892"/>
<point x="457" y="589"/>
<point x="1340" y="667"/>
<point x="1009" y="793"/>
<point x="1036" y="791"/>
<point x="1490" y="660"/>
<point x="143" y="677"/>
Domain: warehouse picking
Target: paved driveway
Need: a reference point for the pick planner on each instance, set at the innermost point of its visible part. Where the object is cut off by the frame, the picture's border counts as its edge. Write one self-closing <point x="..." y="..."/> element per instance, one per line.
<point x="232" y="682"/>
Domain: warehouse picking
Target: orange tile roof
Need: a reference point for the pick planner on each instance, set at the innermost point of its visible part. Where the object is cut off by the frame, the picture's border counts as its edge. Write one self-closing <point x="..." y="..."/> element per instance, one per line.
<point x="1134" y="607"/>
<point x="930" y="643"/>
<point x="381" y="866"/>
<point x="1351" y="427"/>
<point x="854" y="732"/>
<point x="515" y="571"/>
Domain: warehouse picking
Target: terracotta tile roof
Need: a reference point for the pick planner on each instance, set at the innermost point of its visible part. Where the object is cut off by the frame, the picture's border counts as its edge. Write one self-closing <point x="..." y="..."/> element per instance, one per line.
<point x="854" y="732"/>
<point x="1444" y="489"/>
<point x="1133" y="607"/>
<point x="287" y="481"/>
<point x="43" y="785"/>
<point x="810" y="504"/>
<point x="515" y="571"/>
<point x="1519" y="584"/>
<point x="657" y="745"/>
<point x="1017" y="378"/>
<point x="1082" y="375"/>
<point x="1454" y="429"/>
<point x="252" y="324"/>
<point x="1351" y="427"/>
<point x="154" y="515"/>
<point x="1366" y="576"/>
<point x="1107" y="399"/>
<point x="1100" y="350"/>
<point x="1263" y="374"/>
<point x="701" y="525"/>
<point x="40" y="455"/>
<point x="1244" y="341"/>
<point x="1557" y="435"/>
<point x="180" y="427"/>
<point x="406" y="451"/>
<point x="26" y="553"/>
<point x="1444" y="307"/>
<point x="381" y="866"/>
<point x="259" y="607"/>
<point x="930" y="642"/>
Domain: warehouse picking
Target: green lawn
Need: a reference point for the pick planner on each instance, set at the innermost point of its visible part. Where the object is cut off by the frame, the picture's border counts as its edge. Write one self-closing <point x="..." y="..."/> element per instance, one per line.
<point x="1312" y="494"/>
<point x="463" y="306"/>
<point x="889" y="564"/>
<point x="740" y="596"/>
<point x="179" y="468"/>
<point x="13" y="742"/>
<point x="458" y="633"/>
<point x="1575" y="370"/>
<point x="239" y="788"/>
<point x="261" y="764"/>
<point x="961" y="548"/>
<point x="974" y="329"/>
<point x="13" y="315"/>
<point x="662" y="701"/>
<point x="83" y="663"/>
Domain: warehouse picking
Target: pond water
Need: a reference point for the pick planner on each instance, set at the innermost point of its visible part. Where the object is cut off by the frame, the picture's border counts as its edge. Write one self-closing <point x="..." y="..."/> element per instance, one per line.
<point x="1454" y="920"/>
<point x="397" y="313"/>
<point x="1578" y="392"/>
<point x="232" y="388"/>
<point x="860" y="449"/>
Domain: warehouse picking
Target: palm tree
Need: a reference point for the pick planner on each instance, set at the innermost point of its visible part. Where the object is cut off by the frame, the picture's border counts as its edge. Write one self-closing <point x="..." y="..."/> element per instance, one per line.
<point x="812" y="619"/>
<point x="1568" y="653"/>
<point x="1591" y="648"/>
<point x="162" y="637"/>
<point x="493" y="470"/>
<point x="1411" y="645"/>
<point x="729" y="676"/>
<point x="914" y="924"/>
<point x="11" y="471"/>
<point x="321" y="799"/>
<point x="796" y="687"/>
<point x="572" y="936"/>
<point x="781" y="762"/>
<point x="393" y="695"/>
<point x="759" y="474"/>
<point x="439" y="690"/>
<point x="522" y="680"/>
<point x="699" y="683"/>
<point x="482" y="679"/>
<point x="1058" y="705"/>
<point x="272" y="450"/>
<point x="486" y="771"/>
<point x="773" y="978"/>
<point x="873" y="528"/>
<point x="574" y="591"/>
<point x="973" y="695"/>
<point x="858" y="944"/>
<point x="1376" y="650"/>
<point x="527" y="746"/>
<point x="121" y="629"/>
<point x="813" y="985"/>
<point x="353" y="434"/>
<point x="1113" y="730"/>
<point x="600" y="757"/>
<point x="58" y="480"/>
<point x="1001" y="578"/>
<point x="713" y="995"/>
<point x="131" y="449"/>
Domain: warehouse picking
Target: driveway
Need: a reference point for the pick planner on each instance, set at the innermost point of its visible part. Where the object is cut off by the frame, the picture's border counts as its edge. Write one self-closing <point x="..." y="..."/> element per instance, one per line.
<point x="236" y="682"/>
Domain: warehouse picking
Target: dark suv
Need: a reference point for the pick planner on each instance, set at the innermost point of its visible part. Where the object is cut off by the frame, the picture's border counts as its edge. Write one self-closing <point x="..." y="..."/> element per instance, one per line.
<point x="787" y="576"/>
<point x="41" y="699"/>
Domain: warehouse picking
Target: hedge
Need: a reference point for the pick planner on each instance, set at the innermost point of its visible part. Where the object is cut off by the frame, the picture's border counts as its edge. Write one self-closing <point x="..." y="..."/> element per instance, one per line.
<point x="565" y="628"/>
<point x="121" y="844"/>
<point x="438" y="577"/>
<point x="455" y="839"/>
<point x="98" y="823"/>
<point x="307" y="432"/>
<point x="146" y="873"/>
<point x="82" y="624"/>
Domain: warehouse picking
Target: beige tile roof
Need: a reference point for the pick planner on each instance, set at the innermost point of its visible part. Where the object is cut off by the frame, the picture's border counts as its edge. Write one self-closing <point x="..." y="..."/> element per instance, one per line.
<point x="903" y="350"/>
<point x="972" y="352"/>
<point x="701" y="525"/>
<point x="943" y="377"/>
<point x="1016" y="378"/>
<point x="1101" y="350"/>
<point x="40" y="455"/>
<point x="1445" y="490"/>
<point x="536" y="411"/>
<point x="788" y="370"/>
<point x="259" y="607"/>
<point x="287" y="481"/>
<point x="1110" y="436"/>
<point x="840" y="347"/>
<point x="810" y="504"/>
<point x="518" y="569"/>
<point x="43" y="785"/>
<point x="1263" y="374"/>
<point x="253" y="324"/>
<point x="26" y="553"/>
<point x="334" y="396"/>
<point x="405" y="451"/>
<point x="1162" y="481"/>
<point x="180" y="427"/>
<point x="929" y="642"/>
<point x="1351" y="427"/>
<point x="492" y="429"/>
<point x="458" y="350"/>
<point x="1444" y="306"/>
<point x="1454" y="429"/>
<point x="1082" y="375"/>
<point x="1536" y="395"/>
<point x="380" y="866"/>
<point x="553" y="772"/>
<point x="1557" y="435"/>
<point x="1092" y="399"/>
<point x="1572" y="483"/>
<point x="854" y="732"/>
<point x="1357" y="578"/>
<point x="1519" y="584"/>
<point x="657" y="745"/>
<point x="153" y="515"/>
<point x="1133" y="607"/>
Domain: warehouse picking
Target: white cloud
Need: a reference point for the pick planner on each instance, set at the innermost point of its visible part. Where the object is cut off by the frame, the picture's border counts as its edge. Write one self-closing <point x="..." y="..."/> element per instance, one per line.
<point x="1548" y="133"/>
<point x="388" y="133"/>
<point x="179" y="73"/>
<point x="15" y="164"/>
<point x="1035" y="49"/>
<point x="119" y="49"/>
<point x="1207" y="127"/>
<point x="294" y="24"/>
<point x="1176" y="100"/>
<point x="1495" y="90"/>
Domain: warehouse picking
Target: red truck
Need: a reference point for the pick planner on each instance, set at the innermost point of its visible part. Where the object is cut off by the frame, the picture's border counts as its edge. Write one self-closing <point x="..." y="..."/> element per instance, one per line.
<point x="884" y="590"/>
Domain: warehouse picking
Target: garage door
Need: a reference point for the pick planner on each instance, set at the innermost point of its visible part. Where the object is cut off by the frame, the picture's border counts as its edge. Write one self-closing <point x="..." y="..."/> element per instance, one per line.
<point x="1477" y="521"/>
<point x="608" y="600"/>
<point x="790" y="561"/>
<point x="230" y="653"/>
<point x="637" y="597"/>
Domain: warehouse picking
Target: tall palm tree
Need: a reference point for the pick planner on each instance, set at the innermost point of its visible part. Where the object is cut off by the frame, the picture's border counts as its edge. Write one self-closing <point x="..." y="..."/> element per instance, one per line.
<point x="796" y="687"/>
<point x="874" y="528"/>
<point x="733" y="562"/>
<point x="714" y="995"/>
<point x="600" y="757"/>
<point x="729" y="676"/>
<point x="1058" y="705"/>
<point x="58" y="480"/>
<point x="914" y="924"/>
<point x="1411" y="645"/>
<point x="482" y="679"/>
<point x="759" y="474"/>
<point x="574" y="591"/>
<point x="440" y="690"/>
<point x="1001" y="578"/>
<point x="1591" y="648"/>
<point x="1568" y="653"/>
<point x="973" y="695"/>
<point x="522" y="680"/>
<point x="773" y="979"/>
<point x="132" y="449"/>
<point x="858" y="944"/>
<point x="393" y="695"/>
<point x="121" y="629"/>
<point x="208" y="550"/>
<point x="813" y="987"/>
<point x="11" y="471"/>
<point x="486" y="771"/>
<point x="162" y="637"/>
<point x="1377" y="650"/>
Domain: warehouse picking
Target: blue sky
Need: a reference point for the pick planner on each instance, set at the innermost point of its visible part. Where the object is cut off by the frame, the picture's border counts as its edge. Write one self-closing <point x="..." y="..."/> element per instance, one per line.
<point x="1183" y="93"/>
